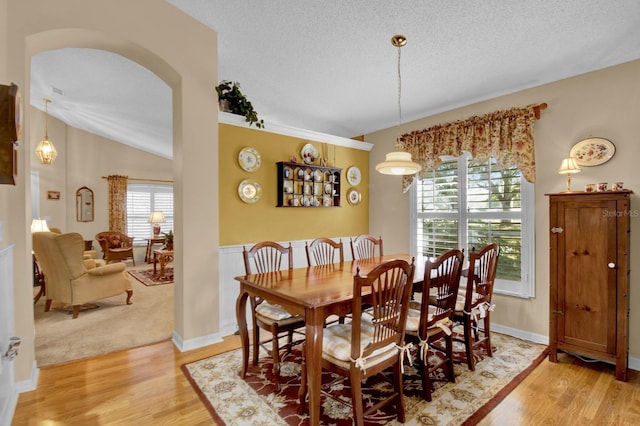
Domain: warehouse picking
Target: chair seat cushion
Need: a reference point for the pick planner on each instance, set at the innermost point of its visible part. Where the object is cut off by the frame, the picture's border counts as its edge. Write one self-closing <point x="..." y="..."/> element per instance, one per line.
<point x="475" y="297"/>
<point x="120" y="249"/>
<point x="274" y="312"/>
<point x="336" y="341"/>
<point x="413" y="316"/>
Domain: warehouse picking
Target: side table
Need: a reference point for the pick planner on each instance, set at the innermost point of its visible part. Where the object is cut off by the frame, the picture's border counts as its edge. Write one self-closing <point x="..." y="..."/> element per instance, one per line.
<point x="150" y="243"/>
<point x="164" y="257"/>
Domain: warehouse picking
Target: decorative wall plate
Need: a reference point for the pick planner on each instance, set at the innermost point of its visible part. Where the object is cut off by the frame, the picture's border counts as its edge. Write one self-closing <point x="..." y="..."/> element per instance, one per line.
<point x="593" y="151"/>
<point x="309" y="154"/>
<point x="249" y="191"/>
<point x="353" y="176"/>
<point x="353" y="196"/>
<point x="249" y="159"/>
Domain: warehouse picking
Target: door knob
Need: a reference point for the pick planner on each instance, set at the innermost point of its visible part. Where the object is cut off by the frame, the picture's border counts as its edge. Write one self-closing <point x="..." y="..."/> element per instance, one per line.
<point x="611" y="265"/>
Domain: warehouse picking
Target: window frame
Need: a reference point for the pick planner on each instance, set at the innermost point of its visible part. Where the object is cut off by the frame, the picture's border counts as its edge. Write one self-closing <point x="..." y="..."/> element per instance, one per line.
<point x="525" y="288"/>
<point x="151" y="188"/>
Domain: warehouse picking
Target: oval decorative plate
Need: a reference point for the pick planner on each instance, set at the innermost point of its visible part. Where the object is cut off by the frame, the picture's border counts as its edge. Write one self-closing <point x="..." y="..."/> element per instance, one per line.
<point x="309" y="154"/>
<point x="353" y="196"/>
<point x="249" y="159"/>
<point x="249" y="191"/>
<point x="353" y="176"/>
<point x="593" y="151"/>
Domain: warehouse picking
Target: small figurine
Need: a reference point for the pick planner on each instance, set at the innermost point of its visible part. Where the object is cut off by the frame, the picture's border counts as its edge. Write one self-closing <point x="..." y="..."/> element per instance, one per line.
<point x="294" y="159"/>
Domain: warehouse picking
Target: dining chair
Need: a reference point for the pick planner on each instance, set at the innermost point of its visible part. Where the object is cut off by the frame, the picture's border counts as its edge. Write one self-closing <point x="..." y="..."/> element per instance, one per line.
<point x="267" y="256"/>
<point x="365" y="246"/>
<point x="431" y="319"/>
<point x="368" y="345"/>
<point x="323" y="251"/>
<point x="474" y="300"/>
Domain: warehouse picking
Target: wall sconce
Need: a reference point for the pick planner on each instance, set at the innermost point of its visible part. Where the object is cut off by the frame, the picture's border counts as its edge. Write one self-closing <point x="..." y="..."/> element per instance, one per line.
<point x="45" y="150"/>
<point x="156" y="218"/>
<point x="39" y="225"/>
<point x="568" y="167"/>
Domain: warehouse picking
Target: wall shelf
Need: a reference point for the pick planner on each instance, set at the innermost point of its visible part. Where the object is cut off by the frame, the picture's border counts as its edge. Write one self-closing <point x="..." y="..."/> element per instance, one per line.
<point x="307" y="186"/>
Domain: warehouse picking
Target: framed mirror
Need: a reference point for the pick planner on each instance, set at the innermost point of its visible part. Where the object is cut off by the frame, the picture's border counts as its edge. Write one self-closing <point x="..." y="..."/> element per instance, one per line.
<point x="84" y="205"/>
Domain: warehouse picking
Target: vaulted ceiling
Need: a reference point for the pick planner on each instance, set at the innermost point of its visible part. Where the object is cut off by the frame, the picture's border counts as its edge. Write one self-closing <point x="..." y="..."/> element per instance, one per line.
<point x="329" y="66"/>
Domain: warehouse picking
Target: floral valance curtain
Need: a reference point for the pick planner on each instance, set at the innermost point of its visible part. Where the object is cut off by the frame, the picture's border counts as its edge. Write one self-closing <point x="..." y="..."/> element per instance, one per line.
<point x="117" y="203"/>
<point x="506" y="136"/>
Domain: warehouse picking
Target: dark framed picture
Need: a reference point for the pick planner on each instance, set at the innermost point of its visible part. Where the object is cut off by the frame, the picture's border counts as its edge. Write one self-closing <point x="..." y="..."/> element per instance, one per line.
<point x="53" y="195"/>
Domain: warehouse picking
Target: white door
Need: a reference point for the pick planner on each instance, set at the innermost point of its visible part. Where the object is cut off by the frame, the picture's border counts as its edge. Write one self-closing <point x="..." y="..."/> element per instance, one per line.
<point x="8" y="394"/>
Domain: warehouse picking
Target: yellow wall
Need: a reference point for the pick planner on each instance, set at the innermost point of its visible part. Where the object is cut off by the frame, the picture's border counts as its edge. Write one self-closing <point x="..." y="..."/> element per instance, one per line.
<point x="242" y="223"/>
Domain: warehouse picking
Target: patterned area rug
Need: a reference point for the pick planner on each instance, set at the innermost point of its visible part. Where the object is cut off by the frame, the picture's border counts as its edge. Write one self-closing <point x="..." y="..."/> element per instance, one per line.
<point x="148" y="278"/>
<point x="233" y="401"/>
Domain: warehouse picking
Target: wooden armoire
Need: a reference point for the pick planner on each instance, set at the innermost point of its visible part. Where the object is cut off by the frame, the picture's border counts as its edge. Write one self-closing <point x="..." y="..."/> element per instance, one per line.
<point x="589" y="268"/>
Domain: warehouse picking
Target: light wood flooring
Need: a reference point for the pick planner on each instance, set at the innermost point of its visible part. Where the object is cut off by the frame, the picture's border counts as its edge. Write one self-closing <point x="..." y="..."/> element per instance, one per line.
<point x="145" y="386"/>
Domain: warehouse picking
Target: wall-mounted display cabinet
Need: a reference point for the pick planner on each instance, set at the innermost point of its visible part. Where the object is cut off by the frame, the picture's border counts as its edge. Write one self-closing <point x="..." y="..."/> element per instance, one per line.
<point x="303" y="185"/>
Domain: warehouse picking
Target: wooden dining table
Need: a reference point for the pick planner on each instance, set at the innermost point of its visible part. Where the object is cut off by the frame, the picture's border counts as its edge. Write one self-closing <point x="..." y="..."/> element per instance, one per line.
<point x="314" y="293"/>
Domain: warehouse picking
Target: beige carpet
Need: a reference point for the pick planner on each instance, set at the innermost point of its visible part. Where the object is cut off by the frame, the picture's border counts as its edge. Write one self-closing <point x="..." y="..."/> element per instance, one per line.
<point x="111" y="327"/>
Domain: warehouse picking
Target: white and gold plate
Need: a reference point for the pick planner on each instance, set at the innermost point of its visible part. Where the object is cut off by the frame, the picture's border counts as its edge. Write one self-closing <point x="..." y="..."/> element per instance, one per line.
<point x="249" y="191"/>
<point x="593" y="151"/>
<point x="353" y="196"/>
<point x="309" y="154"/>
<point x="353" y="176"/>
<point x="249" y="159"/>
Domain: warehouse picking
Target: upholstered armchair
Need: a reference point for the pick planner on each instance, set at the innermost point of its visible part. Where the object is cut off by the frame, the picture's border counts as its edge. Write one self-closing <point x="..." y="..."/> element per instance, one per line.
<point x="115" y="246"/>
<point x="70" y="278"/>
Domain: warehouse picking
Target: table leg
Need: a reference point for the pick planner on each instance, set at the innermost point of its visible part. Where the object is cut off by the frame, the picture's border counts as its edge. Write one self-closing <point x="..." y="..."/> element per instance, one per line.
<point x="155" y="262"/>
<point x="163" y="260"/>
<point x="241" y="317"/>
<point x="313" y="342"/>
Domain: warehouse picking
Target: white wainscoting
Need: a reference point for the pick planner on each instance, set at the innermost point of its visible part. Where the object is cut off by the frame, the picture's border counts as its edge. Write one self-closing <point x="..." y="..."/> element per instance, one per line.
<point x="232" y="265"/>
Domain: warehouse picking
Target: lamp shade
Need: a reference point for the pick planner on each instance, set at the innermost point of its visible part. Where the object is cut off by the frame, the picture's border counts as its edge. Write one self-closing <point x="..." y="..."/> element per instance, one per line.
<point x="156" y="218"/>
<point x="569" y="165"/>
<point x="39" y="225"/>
<point x="398" y="162"/>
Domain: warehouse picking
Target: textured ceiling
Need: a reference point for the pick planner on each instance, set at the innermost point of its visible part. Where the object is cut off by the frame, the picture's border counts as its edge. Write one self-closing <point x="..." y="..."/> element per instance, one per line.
<point x="329" y="66"/>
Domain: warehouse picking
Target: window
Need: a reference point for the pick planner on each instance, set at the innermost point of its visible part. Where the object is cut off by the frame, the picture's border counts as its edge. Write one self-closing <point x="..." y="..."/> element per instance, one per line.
<point x="462" y="205"/>
<point x="142" y="199"/>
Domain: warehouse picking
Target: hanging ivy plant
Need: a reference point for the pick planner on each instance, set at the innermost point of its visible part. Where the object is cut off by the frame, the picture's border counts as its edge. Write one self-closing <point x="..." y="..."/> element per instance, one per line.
<point x="232" y="99"/>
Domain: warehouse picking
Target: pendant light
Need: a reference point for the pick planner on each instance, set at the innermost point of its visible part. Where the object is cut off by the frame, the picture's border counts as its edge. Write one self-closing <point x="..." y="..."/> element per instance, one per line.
<point x="398" y="162"/>
<point x="45" y="150"/>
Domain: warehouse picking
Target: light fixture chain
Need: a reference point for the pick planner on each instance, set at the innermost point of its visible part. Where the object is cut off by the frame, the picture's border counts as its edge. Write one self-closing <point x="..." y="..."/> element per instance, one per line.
<point x="399" y="89"/>
<point x="46" y="113"/>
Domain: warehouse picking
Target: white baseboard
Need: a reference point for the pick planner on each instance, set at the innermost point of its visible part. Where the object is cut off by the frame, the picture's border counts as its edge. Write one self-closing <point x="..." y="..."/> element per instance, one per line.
<point x="520" y="334"/>
<point x="199" y="342"/>
<point x="633" y="363"/>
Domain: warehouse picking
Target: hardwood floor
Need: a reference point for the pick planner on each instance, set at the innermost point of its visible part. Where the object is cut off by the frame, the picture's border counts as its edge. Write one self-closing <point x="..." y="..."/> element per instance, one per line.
<point x="145" y="386"/>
